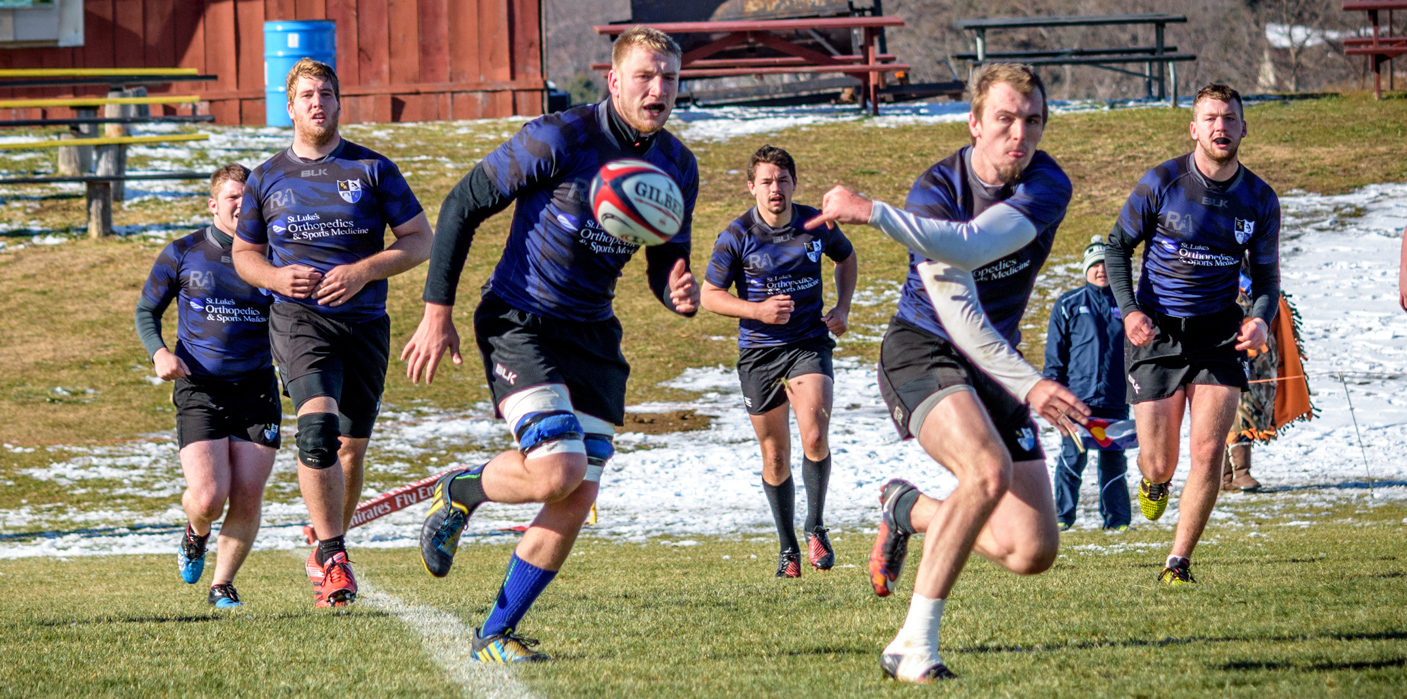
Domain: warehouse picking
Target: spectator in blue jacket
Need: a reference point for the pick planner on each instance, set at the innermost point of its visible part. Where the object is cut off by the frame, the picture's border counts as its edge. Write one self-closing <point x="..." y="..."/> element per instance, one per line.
<point x="1085" y="351"/>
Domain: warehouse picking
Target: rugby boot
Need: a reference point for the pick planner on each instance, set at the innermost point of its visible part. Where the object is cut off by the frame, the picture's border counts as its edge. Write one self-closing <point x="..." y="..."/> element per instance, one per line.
<point x="908" y="662"/>
<point x="1181" y="574"/>
<point x="789" y="564"/>
<point x="506" y="647"/>
<point x="818" y="547"/>
<point x="439" y="535"/>
<point x="223" y="596"/>
<point x="314" y="571"/>
<point x="339" y="586"/>
<point x="891" y="546"/>
<point x="190" y="557"/>
<point x="1152" y="498"/>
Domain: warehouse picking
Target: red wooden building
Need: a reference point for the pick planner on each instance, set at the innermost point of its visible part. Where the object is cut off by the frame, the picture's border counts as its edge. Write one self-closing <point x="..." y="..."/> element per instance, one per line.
<point x="398" y="60"/>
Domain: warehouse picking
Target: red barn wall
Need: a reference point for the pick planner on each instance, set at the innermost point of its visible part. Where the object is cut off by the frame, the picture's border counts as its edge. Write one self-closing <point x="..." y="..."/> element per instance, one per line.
<point x="397" y="60"/>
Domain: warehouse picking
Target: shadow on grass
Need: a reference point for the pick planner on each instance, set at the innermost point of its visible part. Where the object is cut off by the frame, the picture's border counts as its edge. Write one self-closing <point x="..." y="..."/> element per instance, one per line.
<point x="1255" y="665"/>
<point x="199" y="618"/>
<point x="1391" y="635"/>
<point x="95" y="532"/>
<point x="1347" y="485"/>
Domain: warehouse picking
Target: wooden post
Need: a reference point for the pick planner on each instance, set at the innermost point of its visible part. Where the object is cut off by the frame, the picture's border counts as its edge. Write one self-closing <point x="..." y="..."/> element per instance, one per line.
<point x="78" y="160"/>
<point x="112" y="160"/>
<point x="99" y="209"/>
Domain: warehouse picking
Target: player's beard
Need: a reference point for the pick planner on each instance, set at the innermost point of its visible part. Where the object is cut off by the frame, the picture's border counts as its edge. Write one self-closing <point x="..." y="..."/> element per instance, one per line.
<point x="316" y="135"/>
<point x="1217" y="158"/>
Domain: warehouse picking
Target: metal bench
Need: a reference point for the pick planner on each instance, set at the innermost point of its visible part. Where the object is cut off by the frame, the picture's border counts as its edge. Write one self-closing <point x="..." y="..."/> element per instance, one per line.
<point x="1160" y="60"/>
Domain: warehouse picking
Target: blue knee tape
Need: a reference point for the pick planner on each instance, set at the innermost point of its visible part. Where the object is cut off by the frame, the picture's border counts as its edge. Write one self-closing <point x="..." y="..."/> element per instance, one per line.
<point x="318" y="439"/>
<point x="537" y="429"/>
<point x="599" y="449"/>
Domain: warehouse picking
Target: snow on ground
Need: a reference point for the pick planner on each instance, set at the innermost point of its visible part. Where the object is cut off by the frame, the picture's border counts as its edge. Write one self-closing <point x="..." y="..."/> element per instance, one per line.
<point x="1338" y="262"/>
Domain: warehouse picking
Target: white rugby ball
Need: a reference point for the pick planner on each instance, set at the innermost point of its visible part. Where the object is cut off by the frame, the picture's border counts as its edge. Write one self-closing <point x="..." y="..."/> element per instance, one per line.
<point x="637" y="202"/>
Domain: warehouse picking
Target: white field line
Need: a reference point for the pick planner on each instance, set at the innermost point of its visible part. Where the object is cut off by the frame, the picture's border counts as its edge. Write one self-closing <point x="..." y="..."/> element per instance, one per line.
<point x="448" y="642"/>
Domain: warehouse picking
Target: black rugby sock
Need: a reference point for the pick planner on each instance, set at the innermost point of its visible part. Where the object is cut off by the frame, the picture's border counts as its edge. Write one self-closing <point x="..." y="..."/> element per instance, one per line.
<point x="904" y="507"/>
<point x="782" y="497"/>
<point x="467" y="488"/>
<point x="329" y="547"/>
<point x="817" y="476"/>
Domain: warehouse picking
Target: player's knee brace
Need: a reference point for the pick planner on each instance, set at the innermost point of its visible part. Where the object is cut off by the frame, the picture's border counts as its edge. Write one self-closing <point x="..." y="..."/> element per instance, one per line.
<point x="543" y="421"/>
<point x="599" y="445"/>
<point x="318" y="439"/>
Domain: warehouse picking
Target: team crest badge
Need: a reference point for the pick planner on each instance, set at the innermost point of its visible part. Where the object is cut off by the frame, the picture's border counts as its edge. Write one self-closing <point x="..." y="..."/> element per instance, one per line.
<point x="1026" y="438"/>
<point x="813" y="250"/>
<point x="351" y="190"/>
<point x="1244" y="230"/>
<point x="270" y="433"/>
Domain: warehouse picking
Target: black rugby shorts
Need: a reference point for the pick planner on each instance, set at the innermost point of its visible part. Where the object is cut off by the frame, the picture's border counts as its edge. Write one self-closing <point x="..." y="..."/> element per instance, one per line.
<point x="1196" y="350"/>
<point x="321" y="356"/>
<point x="763" y="371"/>
<point x="244" y="409"/>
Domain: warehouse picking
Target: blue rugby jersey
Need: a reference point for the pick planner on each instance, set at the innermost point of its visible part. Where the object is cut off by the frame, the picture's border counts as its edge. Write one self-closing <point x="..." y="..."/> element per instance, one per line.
<point x="764" y="261"/>
<point x="558" y="261"/>
<point x="1198" y="231"/>
<point x="325" y="213"/>
<point x="222" y="329"/>
<point x="951" y="191"/>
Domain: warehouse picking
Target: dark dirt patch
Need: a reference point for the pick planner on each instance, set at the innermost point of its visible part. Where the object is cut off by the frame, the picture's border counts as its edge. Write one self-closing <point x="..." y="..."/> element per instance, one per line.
<point x="660" y="423"/>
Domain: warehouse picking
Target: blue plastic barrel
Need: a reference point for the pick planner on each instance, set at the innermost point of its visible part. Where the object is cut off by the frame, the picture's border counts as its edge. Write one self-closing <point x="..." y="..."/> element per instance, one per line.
<point x="286" y="43"/>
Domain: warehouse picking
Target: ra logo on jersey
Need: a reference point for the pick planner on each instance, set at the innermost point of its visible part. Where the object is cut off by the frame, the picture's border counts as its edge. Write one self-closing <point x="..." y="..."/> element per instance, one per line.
<point x="351" y="190"/>
<point x="1244" y="230"/>
<point x="813" y="250"/>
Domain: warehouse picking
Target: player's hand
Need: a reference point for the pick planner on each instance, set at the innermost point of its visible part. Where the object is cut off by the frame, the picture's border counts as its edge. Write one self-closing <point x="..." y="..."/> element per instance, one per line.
<point x="1253" y="334"/>
<point x="775" y="310"/>
<point x="427" y="346"/>
<point x="683" y="290"/>
<point x="340" y="284"/>
<point x="841" y="205"/>
<point x="296" y="281"/>
<point x="1138" y="328"/>
<point x="1058" y="406"/>
<point x="169" y="367"/>
<point x="837" y="321"/>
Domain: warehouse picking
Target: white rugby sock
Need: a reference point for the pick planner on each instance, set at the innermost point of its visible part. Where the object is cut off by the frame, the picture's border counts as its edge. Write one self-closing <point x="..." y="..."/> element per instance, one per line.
<point x="917" y="640"/>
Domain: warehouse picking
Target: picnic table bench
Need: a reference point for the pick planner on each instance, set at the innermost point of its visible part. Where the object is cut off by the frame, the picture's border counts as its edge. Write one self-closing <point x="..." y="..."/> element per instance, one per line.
<point x="1379" y="48"/>
<point x="869" y="65"/>
<point x="1160" y="60"/>
<point x="126" y="103"/>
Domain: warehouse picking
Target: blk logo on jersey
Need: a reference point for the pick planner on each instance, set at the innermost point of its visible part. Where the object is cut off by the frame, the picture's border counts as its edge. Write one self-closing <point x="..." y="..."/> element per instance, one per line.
<point x="351" y="190"/>
<point x="813" y="250"/>
<point x="1244" y="230"/>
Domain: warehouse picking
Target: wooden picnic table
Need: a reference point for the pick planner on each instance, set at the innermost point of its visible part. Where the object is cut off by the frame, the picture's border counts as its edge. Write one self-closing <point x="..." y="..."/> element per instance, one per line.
<point x="868" y="65"/>
<point x="1379" y="48"/>
<point x="1159" y="59"/>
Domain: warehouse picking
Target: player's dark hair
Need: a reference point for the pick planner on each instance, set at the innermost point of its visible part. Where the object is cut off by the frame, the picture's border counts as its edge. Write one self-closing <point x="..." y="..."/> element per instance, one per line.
<point x="772" y="156"/>
<point x="1221" y="93"/>
<point x="233" y="171"/>
<point x="310" y="68"/>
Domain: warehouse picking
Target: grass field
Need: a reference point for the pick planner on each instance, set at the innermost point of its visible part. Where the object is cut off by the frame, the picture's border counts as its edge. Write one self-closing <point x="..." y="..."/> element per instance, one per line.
<point x="1298" y="597"/>
<point x="1281" y="610"/>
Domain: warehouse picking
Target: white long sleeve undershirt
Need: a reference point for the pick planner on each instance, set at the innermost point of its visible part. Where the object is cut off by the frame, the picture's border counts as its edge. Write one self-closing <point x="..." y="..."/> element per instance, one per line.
<point x="994" y="234"/>
<point x="954" y="296"/>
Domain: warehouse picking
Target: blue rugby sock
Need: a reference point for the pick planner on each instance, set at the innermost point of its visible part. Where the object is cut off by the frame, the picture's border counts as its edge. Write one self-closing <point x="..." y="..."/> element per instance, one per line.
<point x="521" y="586"/>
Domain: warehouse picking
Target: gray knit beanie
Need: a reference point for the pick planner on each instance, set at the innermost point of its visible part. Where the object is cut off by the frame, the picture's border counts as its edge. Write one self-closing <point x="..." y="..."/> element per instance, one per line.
<point x="1094" y="254"/>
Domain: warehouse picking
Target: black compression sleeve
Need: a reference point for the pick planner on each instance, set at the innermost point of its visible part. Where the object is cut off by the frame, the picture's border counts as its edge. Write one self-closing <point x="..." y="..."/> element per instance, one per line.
<point x="1118" y="265"/>
<point x="468" y="205"/>
<point x="1265" y="287"/>
<point x="148" y="320"/>
<point x="659" y="260"/>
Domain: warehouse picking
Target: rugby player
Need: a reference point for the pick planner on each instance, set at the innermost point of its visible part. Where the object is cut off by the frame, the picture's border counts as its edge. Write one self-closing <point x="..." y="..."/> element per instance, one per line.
<point x="321" y="209"/>
<point x="979" y="225"/>
<point x="546" y="331"/>
<point x="1200" y="215"/>
<point x="784" y="342"/>
<point x="226" y="396"/>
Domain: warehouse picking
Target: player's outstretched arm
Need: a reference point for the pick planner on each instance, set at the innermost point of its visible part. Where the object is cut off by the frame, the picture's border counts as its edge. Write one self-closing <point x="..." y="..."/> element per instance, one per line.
<point x="434" y="337"/>
<point x="411" y="247"/>
<point x="994" y="234"/>
<point x="847" y="273"/>
<point x="252" y="264"/>
<point x="954" y="296"/>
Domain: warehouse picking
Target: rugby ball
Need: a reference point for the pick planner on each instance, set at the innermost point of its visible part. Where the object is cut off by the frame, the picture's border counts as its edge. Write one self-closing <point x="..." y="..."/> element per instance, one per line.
<point x="637" y="202"/>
